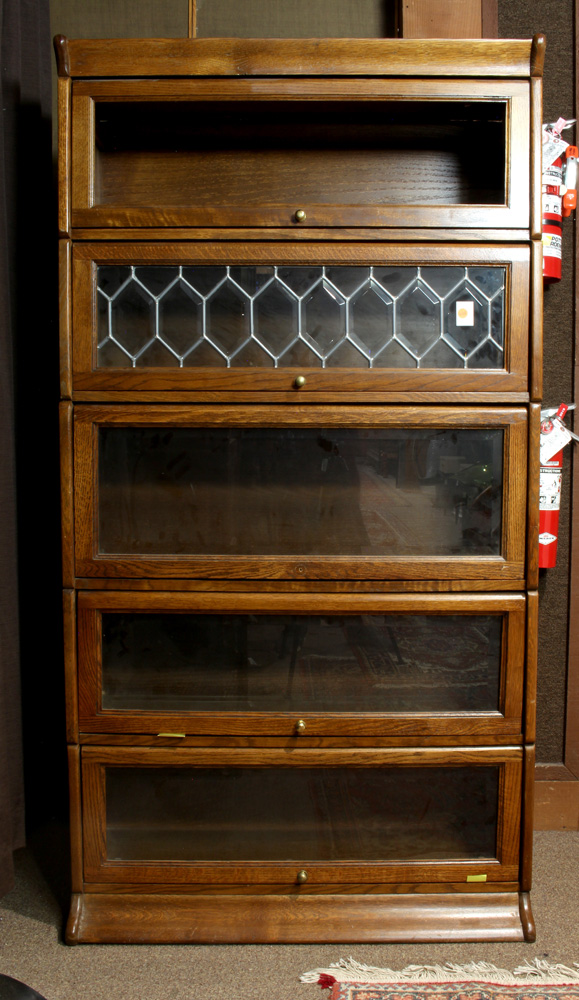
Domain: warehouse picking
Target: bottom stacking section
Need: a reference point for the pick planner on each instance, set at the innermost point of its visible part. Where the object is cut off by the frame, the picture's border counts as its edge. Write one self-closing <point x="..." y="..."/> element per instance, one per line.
<point x="290" y="766"/>
<point x="298" y="843"/>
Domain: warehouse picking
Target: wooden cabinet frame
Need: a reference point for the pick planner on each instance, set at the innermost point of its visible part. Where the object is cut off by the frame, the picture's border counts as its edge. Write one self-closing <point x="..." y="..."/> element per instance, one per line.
<point x="496" y="570"/>
<point x="503" y="868"/>
<point x="507" y="721"/>
<point x="86" y="211"/>
<point x="321" y="384"/>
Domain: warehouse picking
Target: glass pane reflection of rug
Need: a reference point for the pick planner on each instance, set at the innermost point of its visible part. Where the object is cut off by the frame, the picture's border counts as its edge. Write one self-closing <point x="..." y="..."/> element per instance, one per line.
<point x="372" y="663"/>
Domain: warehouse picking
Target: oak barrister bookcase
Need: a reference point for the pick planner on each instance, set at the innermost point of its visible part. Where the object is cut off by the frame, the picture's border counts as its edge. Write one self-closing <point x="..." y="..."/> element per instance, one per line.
<point x="301" y="379"/>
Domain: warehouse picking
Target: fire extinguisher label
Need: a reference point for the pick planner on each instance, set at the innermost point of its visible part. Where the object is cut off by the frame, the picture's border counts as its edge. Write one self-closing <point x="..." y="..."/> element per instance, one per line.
<point x="553" y="174"/>
<point x="553" y="441"/>
<point x="546" y="538"/>
<point x="552" y="245"/>
<point x="551" y="204"/>
<point x="550" y="489"/>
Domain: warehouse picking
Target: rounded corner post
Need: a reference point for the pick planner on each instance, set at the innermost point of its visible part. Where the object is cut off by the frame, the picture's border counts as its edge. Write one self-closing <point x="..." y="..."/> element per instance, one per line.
<point x="538" y="47"/>
<point x="71" y="934"/>
<point x="527" y="918"/>
<point x="62" y="55"/>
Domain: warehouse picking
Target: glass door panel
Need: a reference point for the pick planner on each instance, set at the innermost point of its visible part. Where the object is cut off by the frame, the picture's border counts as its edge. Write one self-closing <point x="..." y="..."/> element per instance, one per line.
<point x="411" y="664"/>
<point x="316" y="317"/>
<point x="217" y="663"/>
<point x="301" y="814"/>
<point x="397" y="318"/>
<point x="340" y="815"/>
<point x="325" y="491"/>
<point x="292" y="485"/>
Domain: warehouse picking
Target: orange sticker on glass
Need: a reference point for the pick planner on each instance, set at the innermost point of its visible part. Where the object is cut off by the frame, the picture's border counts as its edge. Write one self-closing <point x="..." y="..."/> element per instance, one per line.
<point x="465" y="313"/>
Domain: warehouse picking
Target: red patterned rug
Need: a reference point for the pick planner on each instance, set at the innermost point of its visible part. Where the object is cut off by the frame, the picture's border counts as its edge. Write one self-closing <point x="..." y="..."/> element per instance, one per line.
<point x="537" y="980"/>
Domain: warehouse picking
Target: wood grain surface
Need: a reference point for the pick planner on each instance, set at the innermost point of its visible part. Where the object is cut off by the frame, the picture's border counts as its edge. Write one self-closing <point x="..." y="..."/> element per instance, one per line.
<point x="295" y="919"/>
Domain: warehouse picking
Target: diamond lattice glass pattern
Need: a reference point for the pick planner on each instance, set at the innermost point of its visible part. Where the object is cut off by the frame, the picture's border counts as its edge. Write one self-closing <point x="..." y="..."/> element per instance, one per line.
<point x="322" y="317"/>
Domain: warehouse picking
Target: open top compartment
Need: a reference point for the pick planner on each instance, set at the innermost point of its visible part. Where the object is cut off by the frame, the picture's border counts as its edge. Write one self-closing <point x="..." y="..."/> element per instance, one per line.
<point x="295" y="153"/>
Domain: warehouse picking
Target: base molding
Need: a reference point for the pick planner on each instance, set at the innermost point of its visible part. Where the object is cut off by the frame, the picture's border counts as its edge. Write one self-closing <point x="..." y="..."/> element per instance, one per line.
<point x="117" y="918"/>
<point x="556" y="798"/>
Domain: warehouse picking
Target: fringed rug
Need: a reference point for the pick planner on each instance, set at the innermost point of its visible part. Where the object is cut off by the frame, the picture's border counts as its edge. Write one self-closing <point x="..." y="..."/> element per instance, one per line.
<point x="537" y="980"/>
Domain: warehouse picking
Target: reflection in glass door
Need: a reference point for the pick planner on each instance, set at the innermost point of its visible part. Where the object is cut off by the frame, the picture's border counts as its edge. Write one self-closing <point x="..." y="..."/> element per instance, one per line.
<point x="300" y="490"/>
<point x="302" y="814"/>
<point x="375" y="663"/>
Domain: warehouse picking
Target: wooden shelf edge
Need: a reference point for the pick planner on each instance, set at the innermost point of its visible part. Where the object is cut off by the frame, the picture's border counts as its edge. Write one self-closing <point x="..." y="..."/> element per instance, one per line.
<point x="174" y="57"/>
<point x="359" y="234"/>
<point x="180" y="919"/>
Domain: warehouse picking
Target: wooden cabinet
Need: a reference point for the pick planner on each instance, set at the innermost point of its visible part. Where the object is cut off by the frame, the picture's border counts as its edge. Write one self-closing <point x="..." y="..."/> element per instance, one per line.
<point x="300" y="376"/>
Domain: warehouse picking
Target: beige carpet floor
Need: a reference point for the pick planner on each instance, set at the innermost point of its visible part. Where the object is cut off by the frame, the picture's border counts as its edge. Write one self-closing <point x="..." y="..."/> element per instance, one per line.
<point x="31" y="948"/>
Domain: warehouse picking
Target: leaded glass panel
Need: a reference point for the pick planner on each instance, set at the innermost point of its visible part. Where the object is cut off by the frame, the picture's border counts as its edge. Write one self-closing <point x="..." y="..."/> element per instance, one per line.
<point x="322" y="317"/>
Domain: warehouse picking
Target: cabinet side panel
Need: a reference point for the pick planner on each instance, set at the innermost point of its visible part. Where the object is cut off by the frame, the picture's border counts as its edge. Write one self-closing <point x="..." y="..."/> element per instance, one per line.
<point x="70" y="665"/>
<point x="75" y="817"/>
<point x="64" y="313"/>
<point x="533" y="497"/>
<point x="536" y="150"/>
<point x="63" y="97"/>
<point x="527" y="818"/>
<point x="536" y="323"/>
<point x="66" y="494"/>
<point x="531" y="667"/>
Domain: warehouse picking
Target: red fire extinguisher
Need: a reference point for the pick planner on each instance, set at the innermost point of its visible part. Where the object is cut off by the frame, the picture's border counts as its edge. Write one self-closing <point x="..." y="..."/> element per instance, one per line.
<point x="549" y="503"/>
<point x="552" y="221"/>
<point x="559" y="194"/>
<point x="554" y="437"/>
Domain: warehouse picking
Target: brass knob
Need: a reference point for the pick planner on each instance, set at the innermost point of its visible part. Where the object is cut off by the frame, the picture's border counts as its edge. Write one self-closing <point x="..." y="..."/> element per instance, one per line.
<point x="300" y="215"/>
<point x="301" y="877"/>
<point x="299" y="381"/>
<point x="300" y="726"/>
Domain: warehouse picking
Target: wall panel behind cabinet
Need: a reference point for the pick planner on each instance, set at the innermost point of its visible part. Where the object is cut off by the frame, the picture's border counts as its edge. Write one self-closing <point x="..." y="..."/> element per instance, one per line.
<point x="297" y="19"/>
<point x="125" y="19"/>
